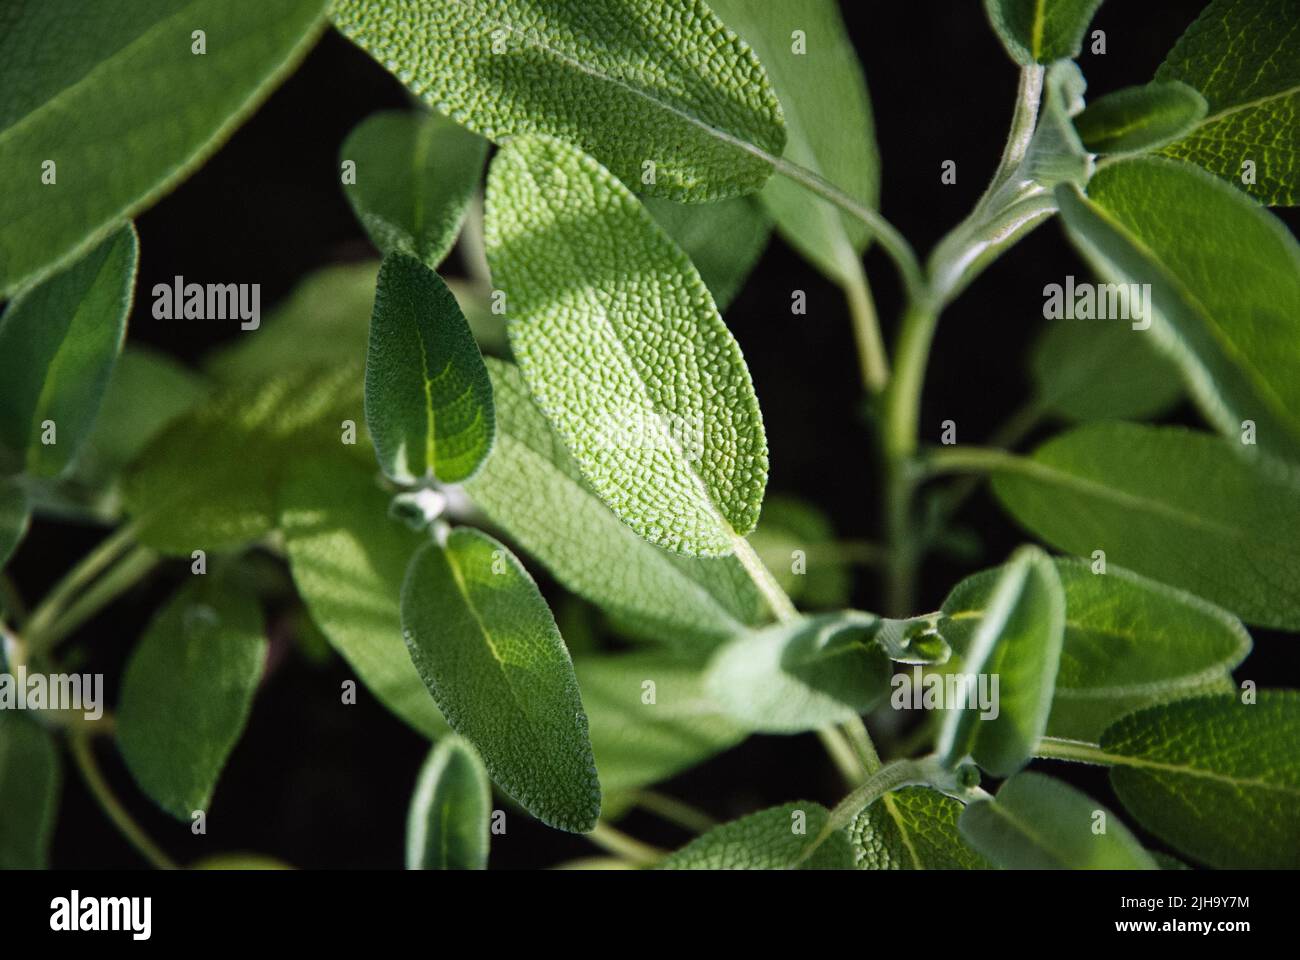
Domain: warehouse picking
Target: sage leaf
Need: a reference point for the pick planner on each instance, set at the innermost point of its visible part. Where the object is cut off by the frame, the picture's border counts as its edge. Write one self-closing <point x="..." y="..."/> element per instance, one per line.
<point x="775" y="839"/>
<point x="415" y="176"/>
<point x="802" y="674"/>
<point x="1041" y="31"/>
<point x="1216" y="778"/>
<point x="1224" y="280"/>
<point x="659" y="91"/>
<point x="1172" y="504"/>
<point x="724" y="240"/>
<point x="1055" y="154"/>
<point x="447" y="827"/>
<point x="1039" y="823"/>
<point x="912" y="829"/>
<point x="1140" y="119"/>
<point x="428" y="397"/>
<point x="69" y="95"/>
<point x="58" y="343"/>
<point x="487" y="647"/>
<point x="1243" y="57"/>
<point x="188" y="690"/>
<point x="14" y="517"/>
<point x="348" y="559"/>
<point x="1018" y="644"/>
<point x="29" y="792"/>
<point x="624" y="350"/>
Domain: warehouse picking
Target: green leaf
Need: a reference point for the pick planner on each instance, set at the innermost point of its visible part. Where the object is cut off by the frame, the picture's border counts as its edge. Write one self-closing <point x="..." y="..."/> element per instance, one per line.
<point x="912" y="829"/>
<point x="724" y="240"/>
<point x="447" y="827"/>
<point x="428" y="396"/>
<point x="1041" y="31"/>
<point x="1224" y="281"/>
<point x="1018" y="643"/>
<point x="29" y="793"/>
<point x="348" y="559"/>
<point x="1056" y="154"/>
<point x="1175" y="505"/>
<point x="650" y="718"/>
<point x="1214" y="777"/>
<point x="58" y="343"/>
<point x="1086" y="370"/>
<point x="828" y="120"/>
<point x="801" y="675"/>
<point x="532" y="487"/>
<point x="117" y="100"/>
<point x="1243" y="57"/>
<point x="774" y="839"/>
<point x="658" y="90"/>
<point x="188" y="690"/>
<point x="1138" y="119"/>
<point x="624" y="350"/>
<point x="14" y="517"/>
<point x="1038" y="823"/>
<point x="486" y="645"/>
<point x="1129" y="642"/>
<point x="415" y="176"/>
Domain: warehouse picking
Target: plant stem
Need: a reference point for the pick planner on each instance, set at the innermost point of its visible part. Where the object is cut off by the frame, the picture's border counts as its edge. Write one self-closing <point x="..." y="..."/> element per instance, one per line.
<point x="900" y="773"/>
<point x="1057" y="748"/>
<point x="841" y="752"/>
<point x="874" y="366"/>
<point x="119" y="578"/>
<point x="1017" y="427"/>
<point x="777" y="600"/>
<point x="944" y="460"/>
<point x="91" y="565"/>
<point x="856" y="731"/>
<point x="674" y="810"/>
<point x="83" y="755"/>
<point x="628" y="848"/>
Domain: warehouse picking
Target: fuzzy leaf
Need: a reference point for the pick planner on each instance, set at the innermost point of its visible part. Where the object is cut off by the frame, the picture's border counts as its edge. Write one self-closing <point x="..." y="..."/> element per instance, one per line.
<point x="1138" y="119"/>
<point x="29" y="792"/>
<point x="624" y="350"/>
<point x="912" y="829"/>
<point x="113" y="95"/>
<point x="447" y="826"/>
<point x="773" y="839"/>
<point x="724" y="240"/>
<point x="1041" y="31"/>
<point x="487" y="647"/>
<point x="658" y="90"/>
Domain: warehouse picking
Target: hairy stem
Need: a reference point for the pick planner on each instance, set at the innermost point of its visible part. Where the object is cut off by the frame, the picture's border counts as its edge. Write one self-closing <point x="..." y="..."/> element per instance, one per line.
<point x="627" y="848"/>
<point x="84" y="757"/>
<point x="842" y="754"/>
<point x="67" y="589"/>
<point x="673" y="810"/>
<point x="777" y="600"/>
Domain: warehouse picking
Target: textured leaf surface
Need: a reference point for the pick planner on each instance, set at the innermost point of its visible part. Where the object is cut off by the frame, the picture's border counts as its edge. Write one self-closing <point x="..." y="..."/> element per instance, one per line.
<point x="1038" y="823"/>
<point x="724" y="240"/>
<point x="447" y="826"/>
<point x="485" y="643"/>
<point x="1018" y="641"/>
<point x="801" y="675"/>
<point x="1175" y="505"/>
<point x="1244" y="58"/>
<point x="115" y="97"/>
<point x="14" y="518"/>
<point x="428" y="397"/>
<point x="1216" y="778"/>
<point x="912" y="829"/>
<point x="1041" y="31"/>
<point x="1138" y="119"/>
<point x="187" y="692"/>
<point x="29" y="792"/>
<point x="58" y="343"/>
<point x="632" y="82"/>
<point x="624" y="351"/>
<point x="531" y="486"/>
<point x="766" y="840"/>
<point x="348" y="559"/>
<point x="1225" y="286"/>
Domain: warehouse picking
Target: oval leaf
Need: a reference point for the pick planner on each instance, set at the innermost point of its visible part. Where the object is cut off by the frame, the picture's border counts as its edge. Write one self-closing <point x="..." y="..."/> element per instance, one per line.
<point x="912" y="829"/>
<point x="29" y="791"/>
<point x="724" y="240"/>
<point x="1041" y="31"/>
<point x="447" y="826"/>
<point x="1137" y="119"/>
<point x="775" y="839"/>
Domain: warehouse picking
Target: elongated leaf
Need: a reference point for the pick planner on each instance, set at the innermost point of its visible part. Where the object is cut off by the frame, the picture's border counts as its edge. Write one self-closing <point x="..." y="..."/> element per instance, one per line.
<point x="1041" y="31"/>
<point x="801" y="675"/>
<point x="14" y="516"/>
<point x="532" y="487"/>
<point x="486" y="645"/>
<point x="1018" y="643"/>
<point x="807" y="52"/>
<point x="1129" y="642"/>
<point x="650" y="718"/>
<point x="659" y="90"/>
<point x="1038" y="823"/>
<point x="447" y="827"/>
<point x="775" y="839"/>
<point x="187" y="692"/>
<point x="348" y="558"/>
<point x="912" y="829"/>
<point x="1218" y="779"/>
<point x="624" y="350"/>
<point x="724" y="240"/>
<point x="1242" y="55"/>
<point x="1224" y="281"/>
<point x="1138" y="119"/>
<point x="428" y="397"/>
<point x="116" y="98"/>
<point x="58" y="343"/>
<point x="29" y="792"/>
<point x="1175" y="505"/>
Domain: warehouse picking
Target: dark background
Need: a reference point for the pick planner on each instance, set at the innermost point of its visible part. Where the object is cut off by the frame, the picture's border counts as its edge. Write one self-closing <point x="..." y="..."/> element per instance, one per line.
<point x="321" y="786"/>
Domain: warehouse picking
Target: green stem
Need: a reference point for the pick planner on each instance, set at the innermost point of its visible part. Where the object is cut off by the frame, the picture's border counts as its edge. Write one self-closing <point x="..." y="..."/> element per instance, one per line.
<point x="628" y="848"/>
<point x="841" y="753"/>
<point x="958" y="460"/>
<point x="874" y="366"/>
<point x="674" y="810"/>
<point x="856" y="731"/>
<point x="777" y="599"/>
<point x="91" y="565"/>
<point x="120" y="578"/>
<point x="83" y="755"/>
<point x="1057" y="748"/>
<point x="1009" y="435"/>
